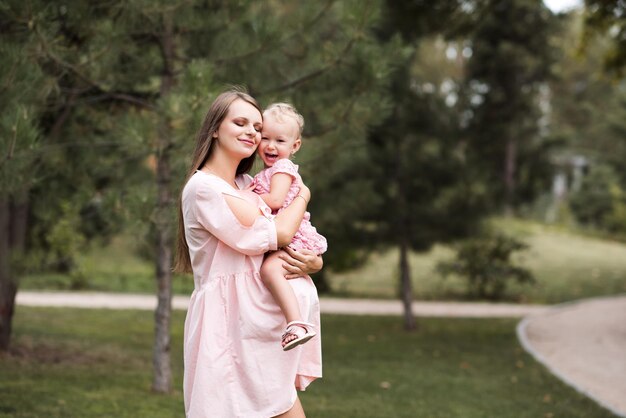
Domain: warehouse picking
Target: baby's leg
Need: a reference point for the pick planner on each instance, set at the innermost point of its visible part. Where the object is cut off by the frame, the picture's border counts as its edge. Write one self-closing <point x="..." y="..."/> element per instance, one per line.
<point x="273" y="275"/>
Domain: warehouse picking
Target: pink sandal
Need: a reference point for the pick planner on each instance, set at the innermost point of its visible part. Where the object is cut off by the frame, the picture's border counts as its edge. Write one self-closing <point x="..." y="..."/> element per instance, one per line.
<point x="303" y="331"/>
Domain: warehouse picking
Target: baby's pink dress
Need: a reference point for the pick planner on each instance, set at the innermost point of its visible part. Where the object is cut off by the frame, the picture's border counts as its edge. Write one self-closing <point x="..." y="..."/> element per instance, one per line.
<point x="234" y="363"/>
<point x="307" y="236"/>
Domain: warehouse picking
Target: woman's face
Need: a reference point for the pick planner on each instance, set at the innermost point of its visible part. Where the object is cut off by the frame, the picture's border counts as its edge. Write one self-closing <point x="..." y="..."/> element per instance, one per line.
<point x="240" y="132"/>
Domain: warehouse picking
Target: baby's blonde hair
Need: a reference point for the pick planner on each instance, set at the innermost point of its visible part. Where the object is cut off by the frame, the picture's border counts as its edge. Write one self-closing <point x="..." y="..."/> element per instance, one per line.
<point x="280" y="110"/>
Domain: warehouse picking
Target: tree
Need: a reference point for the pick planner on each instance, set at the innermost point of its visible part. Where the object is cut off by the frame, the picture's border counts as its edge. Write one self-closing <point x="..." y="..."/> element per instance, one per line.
<point x="426" y="191"/>
<point x="588" y="107"/>
<point x="510" y="63"/>
<point x="406" y="185"/>
<point x="141" y="74"/>
<point x="23" y="88"/>
<point x="608" y="18"/>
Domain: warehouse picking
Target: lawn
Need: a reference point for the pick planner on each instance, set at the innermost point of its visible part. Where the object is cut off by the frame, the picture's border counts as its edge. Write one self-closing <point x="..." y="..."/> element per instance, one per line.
<point x="567" y="266"/>
<point x="115" y="268"/>
<point x="97" y="363"/>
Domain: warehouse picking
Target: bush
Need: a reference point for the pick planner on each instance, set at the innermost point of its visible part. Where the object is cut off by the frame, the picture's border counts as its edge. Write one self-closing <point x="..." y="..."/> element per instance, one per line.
<point x="601" y="201"/>
<point x="486" y="264"/>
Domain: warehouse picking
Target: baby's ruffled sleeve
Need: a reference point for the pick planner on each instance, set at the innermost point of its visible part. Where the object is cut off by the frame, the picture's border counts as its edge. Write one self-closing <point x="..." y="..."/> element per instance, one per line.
<point x="286" y="166"/>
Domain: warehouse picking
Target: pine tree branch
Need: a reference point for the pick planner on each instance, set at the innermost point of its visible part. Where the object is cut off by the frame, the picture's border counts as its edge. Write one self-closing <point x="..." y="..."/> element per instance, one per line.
<point x="318" y="72"/>
<point x="76" y="71"/>
<point x="265" y="46"/>
<point x="337" y="123"/>
<point x="313" y="74"/>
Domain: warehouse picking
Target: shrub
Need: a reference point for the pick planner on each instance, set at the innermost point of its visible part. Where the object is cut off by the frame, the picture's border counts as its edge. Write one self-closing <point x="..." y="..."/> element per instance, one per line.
<point x="486" y="264"/>
<point x="601" y="201"/>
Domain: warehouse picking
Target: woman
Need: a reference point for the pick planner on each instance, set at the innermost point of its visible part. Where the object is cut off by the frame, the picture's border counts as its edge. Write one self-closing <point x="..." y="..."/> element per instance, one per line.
<point x="233" y="365"/>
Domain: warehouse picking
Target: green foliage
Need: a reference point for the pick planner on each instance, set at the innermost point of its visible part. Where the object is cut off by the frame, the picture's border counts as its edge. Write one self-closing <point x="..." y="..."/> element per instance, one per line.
<point x="608" y="17"/>
<point x="67" y="363"/>
<point x="115" y="111"/>
<point x="601" y="201"/>
<point x="63" y="239"/>
<point x="486" y="263"/>
<point x="408" y="181"/>
<point x="23" y="86"/>
<point x="589" y="114"/>
<point x="511" y="60"/>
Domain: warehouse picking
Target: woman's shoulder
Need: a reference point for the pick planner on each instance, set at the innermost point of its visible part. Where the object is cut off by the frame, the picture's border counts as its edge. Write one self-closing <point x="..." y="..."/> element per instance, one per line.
<point x="201" y="182"/>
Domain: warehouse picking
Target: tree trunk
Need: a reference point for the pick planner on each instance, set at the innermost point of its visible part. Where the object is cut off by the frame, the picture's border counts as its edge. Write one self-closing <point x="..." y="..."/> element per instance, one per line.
<point x="406" y="287"/>
<point x="161" y="354"/>
<point x="162" y="381"/>
<point x="510" y="168"/>
<point x="402" y="226"/>
<point x="19" y="222"/>
<point x="8" y="287"/>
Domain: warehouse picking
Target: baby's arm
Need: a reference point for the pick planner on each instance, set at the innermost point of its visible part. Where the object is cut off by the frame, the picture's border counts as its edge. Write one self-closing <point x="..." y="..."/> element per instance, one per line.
<point x="279" y="187"/>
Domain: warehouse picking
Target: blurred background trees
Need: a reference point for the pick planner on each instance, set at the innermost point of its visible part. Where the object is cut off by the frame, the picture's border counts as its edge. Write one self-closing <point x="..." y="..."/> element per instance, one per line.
<point x="422" y="119"/>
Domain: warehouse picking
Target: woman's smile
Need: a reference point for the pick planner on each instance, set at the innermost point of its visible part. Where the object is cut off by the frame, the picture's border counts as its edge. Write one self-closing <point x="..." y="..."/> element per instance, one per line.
<point x="248" y="141"/>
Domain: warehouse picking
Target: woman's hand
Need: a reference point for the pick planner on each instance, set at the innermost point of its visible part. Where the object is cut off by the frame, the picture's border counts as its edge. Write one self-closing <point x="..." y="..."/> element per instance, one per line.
<point x="300" y="263"/>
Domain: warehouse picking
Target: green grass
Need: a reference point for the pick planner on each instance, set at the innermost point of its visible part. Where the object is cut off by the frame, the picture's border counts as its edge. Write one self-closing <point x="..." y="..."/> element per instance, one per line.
<point x="566" y="265"/>
<point x="114" y="268"/>
<point x="96" y="363"/>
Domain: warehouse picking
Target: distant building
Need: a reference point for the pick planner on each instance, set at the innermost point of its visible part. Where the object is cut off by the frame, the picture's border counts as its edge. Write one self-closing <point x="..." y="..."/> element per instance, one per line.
<point x="568" y="176"/>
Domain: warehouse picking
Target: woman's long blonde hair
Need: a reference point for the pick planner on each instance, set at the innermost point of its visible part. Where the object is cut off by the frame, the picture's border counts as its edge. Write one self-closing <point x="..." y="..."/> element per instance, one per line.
<point x="204" y="148"/>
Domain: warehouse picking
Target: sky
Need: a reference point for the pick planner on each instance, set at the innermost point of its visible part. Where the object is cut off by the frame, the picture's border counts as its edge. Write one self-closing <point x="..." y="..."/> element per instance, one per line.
<point x="562" y="5"/>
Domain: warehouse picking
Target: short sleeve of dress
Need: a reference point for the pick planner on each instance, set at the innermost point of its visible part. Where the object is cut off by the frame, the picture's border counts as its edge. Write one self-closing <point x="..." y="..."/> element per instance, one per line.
<point x="213" y="213"/>
<point x="284" y="165"/>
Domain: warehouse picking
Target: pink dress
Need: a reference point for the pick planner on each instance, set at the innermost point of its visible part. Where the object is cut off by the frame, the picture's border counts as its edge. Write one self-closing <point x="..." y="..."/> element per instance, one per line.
<point x="307" y="236"/>
<point x="234" y="363"/>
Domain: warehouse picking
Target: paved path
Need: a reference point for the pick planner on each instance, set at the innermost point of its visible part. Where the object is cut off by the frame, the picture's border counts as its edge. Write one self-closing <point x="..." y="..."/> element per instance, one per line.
<point x="584" y="344"/>
<point x="328" y="305"/>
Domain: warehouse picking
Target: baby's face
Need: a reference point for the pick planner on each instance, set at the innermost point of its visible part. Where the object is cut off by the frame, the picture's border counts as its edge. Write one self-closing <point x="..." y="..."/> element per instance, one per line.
<point x="279" y="139"/>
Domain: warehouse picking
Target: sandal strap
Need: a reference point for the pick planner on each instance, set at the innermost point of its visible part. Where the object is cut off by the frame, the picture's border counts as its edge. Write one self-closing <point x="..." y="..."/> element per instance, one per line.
<point x="302" y="324"/>
<point x="307" y="327"/>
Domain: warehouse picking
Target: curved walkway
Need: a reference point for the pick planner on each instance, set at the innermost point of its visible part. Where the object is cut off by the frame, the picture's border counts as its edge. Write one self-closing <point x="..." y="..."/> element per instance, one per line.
<point x="584" y="344"/>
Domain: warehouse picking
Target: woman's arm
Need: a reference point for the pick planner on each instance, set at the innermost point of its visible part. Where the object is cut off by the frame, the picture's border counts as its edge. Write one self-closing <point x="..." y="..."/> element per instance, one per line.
<point x="279" y="187"/>
<point x="232" y="220"/>
<point x="287" y="221"/>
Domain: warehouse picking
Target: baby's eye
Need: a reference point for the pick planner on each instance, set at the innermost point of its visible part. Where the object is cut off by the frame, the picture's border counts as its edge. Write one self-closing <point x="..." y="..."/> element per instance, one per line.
<point x="264" y="138"/>
<point x="280" y="140"/>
